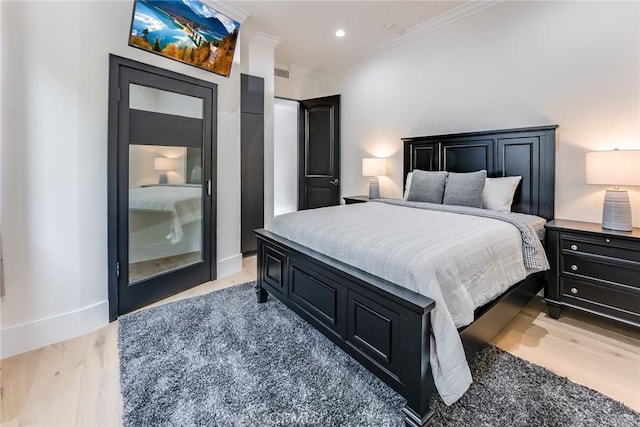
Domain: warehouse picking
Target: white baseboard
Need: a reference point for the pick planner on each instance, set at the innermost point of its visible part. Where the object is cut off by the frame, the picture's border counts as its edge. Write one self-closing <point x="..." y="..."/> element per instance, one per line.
<point x="39" y="333"/>
<point x="228" y="266"/>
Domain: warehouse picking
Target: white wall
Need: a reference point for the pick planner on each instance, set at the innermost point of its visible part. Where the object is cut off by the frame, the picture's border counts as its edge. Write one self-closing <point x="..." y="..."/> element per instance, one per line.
<point x="2" y="46"/>
<point x="141" y="165"/>
<point x="54" y="165"/>
<point x="575" y="64"/>
<point x="297" y="85"/>
<point x="285" y="165"/>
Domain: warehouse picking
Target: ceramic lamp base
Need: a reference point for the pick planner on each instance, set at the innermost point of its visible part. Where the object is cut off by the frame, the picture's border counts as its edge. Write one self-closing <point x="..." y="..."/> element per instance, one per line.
<point x="162" y="178"/>
<point x="374" y="188"/>
<point x="616" y="212"/>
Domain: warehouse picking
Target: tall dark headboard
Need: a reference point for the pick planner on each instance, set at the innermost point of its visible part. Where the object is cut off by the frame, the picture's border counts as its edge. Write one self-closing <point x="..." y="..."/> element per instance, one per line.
<point x="526" y="152"/>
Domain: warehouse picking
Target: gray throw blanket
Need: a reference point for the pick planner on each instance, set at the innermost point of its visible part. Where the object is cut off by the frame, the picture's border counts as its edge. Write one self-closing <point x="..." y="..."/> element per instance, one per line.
<point x="533" y="253"/>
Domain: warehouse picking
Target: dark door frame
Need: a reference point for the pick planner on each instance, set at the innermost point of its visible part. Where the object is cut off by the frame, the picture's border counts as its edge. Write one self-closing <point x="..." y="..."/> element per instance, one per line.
<point x="328" y="181"/>
<point x="116" y="63"/>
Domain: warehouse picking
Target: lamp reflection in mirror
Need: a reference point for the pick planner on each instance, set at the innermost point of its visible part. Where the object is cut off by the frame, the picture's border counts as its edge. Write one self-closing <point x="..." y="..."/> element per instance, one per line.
<point x="163" y="165"/>
<point x="374" y="167"/>
<point x="617" y="167"/>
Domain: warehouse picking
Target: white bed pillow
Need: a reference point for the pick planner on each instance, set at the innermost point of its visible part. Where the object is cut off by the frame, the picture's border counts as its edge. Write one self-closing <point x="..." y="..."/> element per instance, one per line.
<point x="498" y="193"/>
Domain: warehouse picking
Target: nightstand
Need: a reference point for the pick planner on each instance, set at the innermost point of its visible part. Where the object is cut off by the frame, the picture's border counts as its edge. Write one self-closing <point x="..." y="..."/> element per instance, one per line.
<point x="594" y="270"/>
<point x="349" y="200"/>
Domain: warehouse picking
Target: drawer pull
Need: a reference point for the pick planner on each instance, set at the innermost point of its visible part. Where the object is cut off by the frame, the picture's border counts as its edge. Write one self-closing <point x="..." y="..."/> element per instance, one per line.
<point x="574" y="267"/>
<point x="574" y="247"/>
<point x="607" y="240"/>
<point x="574" y="291"/>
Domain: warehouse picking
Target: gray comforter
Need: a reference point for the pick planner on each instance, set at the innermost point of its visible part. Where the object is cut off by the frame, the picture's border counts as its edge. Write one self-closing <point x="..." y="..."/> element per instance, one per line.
<point x="460" y="257"/>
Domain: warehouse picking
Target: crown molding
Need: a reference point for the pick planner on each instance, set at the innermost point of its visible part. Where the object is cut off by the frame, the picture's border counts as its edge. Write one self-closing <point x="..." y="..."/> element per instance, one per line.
<point x="231" y="9"/>
<point x="262" y="38"/>
<point x="454" y="15"/>
<point x="304" y="71"/>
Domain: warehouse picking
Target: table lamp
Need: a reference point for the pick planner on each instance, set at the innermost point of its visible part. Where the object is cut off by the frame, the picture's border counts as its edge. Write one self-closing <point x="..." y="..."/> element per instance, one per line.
<point x="162" y="165"/>
<point x="617" y="167"/>
<point x="374" y="167"/>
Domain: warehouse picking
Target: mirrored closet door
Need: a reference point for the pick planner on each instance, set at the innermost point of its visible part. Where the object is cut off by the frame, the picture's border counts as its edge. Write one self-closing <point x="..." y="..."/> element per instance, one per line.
<point x="164" y="213"/>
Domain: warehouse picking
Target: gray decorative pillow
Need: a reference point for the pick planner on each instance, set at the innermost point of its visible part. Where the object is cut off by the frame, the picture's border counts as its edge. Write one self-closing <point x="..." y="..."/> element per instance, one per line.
<point x="427" y="186"/>
<point x="196" y="175"/>
<point x="465" y="189"/>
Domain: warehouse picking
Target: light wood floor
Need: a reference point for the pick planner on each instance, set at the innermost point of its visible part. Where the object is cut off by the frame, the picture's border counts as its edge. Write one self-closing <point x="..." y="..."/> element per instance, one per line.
<point x="76" y="382"/>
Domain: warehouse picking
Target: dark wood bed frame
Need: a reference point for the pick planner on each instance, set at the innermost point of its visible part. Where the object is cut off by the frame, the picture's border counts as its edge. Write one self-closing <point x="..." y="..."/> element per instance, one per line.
<point x="382" y="325"/>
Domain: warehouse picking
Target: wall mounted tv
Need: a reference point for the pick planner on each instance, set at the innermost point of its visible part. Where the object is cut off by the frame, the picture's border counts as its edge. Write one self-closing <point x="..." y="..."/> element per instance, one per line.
<point x="185" y="30"/>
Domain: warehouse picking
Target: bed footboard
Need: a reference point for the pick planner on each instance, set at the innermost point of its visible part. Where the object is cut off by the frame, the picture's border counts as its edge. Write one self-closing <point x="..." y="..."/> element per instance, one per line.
<point x="381" y="325"/>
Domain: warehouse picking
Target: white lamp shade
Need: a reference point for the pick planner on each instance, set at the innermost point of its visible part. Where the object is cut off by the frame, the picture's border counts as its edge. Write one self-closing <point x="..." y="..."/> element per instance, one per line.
<point x="163" y="164"/>
<point x="374" y="167"/>
<point x="617" y="167"/>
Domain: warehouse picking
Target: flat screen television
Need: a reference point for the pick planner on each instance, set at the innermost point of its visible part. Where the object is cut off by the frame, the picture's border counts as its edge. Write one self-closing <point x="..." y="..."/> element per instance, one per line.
<point x="185" y="30"/>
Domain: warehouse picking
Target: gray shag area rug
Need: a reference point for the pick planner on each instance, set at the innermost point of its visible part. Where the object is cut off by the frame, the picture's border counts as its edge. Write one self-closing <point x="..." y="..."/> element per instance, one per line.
<point x="223" y="359"/>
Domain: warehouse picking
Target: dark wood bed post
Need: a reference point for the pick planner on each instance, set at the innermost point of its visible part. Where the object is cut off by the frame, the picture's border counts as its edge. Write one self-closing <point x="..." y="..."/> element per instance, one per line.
<point x="417" y="412"/>
<point x="261" y="294"/>
<point x="412" y="419"/>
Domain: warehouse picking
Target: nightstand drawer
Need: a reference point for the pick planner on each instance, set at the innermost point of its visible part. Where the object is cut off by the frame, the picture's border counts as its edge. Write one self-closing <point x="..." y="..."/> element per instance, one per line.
<point x="604" y="246"/>
<point x="594" y="270"/>
<point x="628" y="274"/>
<point x="587" y="295"/>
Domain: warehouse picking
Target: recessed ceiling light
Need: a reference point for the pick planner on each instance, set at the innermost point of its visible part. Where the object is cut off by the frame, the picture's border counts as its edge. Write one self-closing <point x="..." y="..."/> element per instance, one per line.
<point x="389" y="25"/>
<point x="340" y="33"/>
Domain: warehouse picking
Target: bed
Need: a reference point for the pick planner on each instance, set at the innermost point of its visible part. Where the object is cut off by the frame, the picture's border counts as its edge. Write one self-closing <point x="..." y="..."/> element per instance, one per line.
<point x="383" y="325"/>
<point x="164" y="221"/>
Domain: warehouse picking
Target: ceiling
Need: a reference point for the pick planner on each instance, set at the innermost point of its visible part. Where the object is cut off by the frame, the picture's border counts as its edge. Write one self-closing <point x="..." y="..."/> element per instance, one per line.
<point x="306" y="29"/>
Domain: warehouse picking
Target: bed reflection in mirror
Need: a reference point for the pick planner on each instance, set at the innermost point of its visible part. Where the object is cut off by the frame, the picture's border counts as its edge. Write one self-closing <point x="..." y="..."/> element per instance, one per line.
<point x="165" y="209"/>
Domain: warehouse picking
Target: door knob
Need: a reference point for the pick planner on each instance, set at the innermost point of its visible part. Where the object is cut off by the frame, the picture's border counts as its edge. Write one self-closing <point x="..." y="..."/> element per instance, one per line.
<point x="335" y="182"/>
